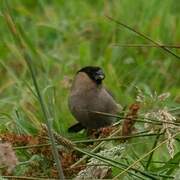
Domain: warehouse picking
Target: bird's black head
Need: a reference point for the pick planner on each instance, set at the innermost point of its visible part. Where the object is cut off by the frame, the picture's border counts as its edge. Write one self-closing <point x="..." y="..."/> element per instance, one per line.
<point x="94" y="72"/>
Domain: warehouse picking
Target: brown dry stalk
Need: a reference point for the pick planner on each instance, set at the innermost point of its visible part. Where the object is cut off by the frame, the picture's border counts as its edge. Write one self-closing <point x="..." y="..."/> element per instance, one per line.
<point x="130" y="119"/>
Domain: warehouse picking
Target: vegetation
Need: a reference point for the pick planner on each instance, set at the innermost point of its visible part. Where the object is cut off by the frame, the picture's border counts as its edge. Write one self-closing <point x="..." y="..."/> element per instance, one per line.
<point x="47" y="42"/>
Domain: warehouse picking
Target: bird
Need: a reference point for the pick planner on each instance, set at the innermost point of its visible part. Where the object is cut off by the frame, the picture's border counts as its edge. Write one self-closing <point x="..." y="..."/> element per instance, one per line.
<point x="88" y="96"/>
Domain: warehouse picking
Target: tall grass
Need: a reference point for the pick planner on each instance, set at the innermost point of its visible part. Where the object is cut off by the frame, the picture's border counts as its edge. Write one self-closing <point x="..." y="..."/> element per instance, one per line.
<point x="23" y="48"/>
<point x="69" y="35"/>
<point x="63" y="36"/>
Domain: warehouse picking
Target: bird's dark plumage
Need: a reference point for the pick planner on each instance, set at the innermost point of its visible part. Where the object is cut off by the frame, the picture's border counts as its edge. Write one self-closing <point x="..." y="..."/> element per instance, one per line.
<point x="87" y="96"/>
<point x="95" y="73"/>
<point x="76" y="127"/>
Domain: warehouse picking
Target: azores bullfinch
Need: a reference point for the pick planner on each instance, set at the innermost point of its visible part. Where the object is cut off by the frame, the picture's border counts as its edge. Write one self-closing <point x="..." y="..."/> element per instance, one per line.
<point x="89" y="95"/>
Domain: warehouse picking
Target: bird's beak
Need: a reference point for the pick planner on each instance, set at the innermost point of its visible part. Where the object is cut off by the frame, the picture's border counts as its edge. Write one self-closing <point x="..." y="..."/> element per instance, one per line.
<point x="99" y="75"/>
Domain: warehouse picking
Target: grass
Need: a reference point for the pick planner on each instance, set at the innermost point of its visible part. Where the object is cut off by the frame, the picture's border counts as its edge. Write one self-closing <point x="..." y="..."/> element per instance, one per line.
<point x="63" y="36"/>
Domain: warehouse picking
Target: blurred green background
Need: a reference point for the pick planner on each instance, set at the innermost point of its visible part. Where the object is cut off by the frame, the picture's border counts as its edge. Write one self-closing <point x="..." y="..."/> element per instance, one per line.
<point x="65" y="35"/>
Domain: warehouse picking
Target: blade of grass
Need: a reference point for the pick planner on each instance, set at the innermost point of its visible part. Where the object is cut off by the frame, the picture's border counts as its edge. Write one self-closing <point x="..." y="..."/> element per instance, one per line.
<point x="25" y="177"/>
<point x="150" y="175"/>
<point x="115" y="138"/>
<point x="144" y="36"/>
<point x="151" y="155"/>
<point x="114" y="163"/>
<point x="145" y="155"/>
<point x="139" y="119"/>
<point x="147" y="45"/>
<point x="23" y="48"/>
<point x="95" y="149"/>
<point x="70" y="145"/>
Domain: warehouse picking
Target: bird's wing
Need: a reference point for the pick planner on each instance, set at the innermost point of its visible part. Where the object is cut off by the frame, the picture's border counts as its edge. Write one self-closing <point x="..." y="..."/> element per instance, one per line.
<point x="119" y="107"/>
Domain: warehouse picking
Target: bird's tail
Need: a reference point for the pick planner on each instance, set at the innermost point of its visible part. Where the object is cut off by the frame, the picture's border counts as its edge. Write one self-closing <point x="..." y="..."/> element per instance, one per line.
<point x="76" y="128"/>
